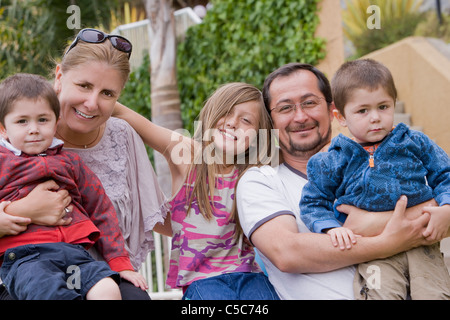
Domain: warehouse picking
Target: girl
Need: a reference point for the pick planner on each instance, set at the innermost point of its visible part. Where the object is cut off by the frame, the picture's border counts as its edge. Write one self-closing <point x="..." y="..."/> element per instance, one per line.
<point x="209" y="258"/>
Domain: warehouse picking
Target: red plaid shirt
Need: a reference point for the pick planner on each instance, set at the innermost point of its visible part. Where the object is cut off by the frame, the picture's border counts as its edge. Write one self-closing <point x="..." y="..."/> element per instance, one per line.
<point x="94" y="219"/>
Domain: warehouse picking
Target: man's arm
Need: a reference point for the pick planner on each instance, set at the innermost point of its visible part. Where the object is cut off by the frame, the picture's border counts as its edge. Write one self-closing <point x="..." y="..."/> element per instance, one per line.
<point x="369" y="224"/>
<point x="290" y="251"/>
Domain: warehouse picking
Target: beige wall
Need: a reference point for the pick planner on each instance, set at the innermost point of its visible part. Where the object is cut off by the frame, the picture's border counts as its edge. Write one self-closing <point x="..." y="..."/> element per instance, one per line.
<point x="422" y="76"/>
<point x="330" y="28"/>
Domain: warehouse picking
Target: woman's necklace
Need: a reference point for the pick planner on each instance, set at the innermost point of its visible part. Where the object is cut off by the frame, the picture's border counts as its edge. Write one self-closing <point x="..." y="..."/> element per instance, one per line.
<point x="85" y="146"/>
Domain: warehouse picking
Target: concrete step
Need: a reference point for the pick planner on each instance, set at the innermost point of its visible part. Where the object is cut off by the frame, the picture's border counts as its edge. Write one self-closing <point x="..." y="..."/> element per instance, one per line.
<point x="399" y="107"/>
<point x="402" y="117"/>
<point x="417" y="128"/>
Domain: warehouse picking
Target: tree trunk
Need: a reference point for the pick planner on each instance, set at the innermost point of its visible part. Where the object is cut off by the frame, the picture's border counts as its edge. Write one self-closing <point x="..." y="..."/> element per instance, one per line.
<point x="165" y="98"/>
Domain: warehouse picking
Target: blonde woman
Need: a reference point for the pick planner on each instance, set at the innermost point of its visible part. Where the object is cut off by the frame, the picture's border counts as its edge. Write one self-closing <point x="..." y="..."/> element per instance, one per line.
<point x="209" y="259"/>
<point x="88" y="82"/>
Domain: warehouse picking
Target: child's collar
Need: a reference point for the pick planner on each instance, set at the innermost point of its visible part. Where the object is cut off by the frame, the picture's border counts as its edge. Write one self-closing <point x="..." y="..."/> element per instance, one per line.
<point x="5" y="143"/>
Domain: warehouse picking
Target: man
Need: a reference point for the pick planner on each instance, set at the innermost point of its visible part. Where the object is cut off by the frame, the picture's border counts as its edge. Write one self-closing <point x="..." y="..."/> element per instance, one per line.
<point x="300" y="264"/>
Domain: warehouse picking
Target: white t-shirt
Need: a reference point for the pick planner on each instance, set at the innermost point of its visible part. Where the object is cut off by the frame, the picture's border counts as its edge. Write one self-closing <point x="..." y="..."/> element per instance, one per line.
<point x="265" y="193"/>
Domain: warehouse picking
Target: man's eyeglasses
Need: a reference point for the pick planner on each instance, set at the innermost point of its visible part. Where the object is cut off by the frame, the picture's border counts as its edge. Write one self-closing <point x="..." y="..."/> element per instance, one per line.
<point x="97" y="36"/>
<point x="307" y="106"/>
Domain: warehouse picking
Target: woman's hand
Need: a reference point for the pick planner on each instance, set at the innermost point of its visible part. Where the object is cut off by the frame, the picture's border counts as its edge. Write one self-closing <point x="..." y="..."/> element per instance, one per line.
<point x="11" y="225"/>
<point x="45" y="205"/>
<point x="135" y="278"/>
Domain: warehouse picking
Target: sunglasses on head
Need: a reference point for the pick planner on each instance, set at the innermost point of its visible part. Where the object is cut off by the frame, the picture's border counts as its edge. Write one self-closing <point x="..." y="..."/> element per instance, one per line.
<point x="97" y="36"/>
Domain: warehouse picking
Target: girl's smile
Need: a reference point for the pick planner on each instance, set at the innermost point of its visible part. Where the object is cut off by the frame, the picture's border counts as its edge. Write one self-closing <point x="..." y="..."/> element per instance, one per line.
<point x="235" y="132"/>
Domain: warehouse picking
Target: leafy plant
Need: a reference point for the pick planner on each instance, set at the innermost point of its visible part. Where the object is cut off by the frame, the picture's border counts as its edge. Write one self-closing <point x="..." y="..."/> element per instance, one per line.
<point x="399" y="19"/>
<point x="22" y="29"/>
<point x="430" y="27"/>
<point x="237" y="41"/>
<point x="136" y="93"/>
<point x="244" y="41"/>
<point x="34" y="32"/>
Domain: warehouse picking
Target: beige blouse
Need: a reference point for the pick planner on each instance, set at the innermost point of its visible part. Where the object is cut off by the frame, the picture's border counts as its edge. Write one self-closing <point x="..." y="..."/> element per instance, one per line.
<point x="121" y="162"/>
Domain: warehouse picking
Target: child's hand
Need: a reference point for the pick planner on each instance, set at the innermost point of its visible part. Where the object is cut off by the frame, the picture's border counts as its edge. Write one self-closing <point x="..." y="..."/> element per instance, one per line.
<point x="11" y="225"/>
<point x="135" y="278"/>
<point x="342" y="237"/>
<point x="439" y="222"/>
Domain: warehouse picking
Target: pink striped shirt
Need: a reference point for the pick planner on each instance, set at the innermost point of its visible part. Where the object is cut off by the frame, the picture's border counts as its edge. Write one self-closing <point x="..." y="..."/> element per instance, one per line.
<point x="205" y="248"/>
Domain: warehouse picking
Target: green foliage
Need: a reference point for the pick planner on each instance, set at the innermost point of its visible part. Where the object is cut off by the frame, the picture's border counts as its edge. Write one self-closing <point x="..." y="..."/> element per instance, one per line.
<point x="390" y="32"/>
<point x="430" y="27"/>
<point x="237" y="41"/>
<point x="244" y="41"/>
<point x="33" y="33"/>
<point x="398" y="19"/>
<point x="22" y="31"/>
<point x="136" y="94"/>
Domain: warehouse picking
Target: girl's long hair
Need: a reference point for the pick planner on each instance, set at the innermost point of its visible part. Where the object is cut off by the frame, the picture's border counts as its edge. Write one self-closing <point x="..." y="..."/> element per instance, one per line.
<point x="202" y="175"/>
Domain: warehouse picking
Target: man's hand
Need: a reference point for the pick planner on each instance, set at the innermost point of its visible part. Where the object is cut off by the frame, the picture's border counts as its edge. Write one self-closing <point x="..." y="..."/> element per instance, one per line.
<point x="403" y="234"/>
<point x="370" y="224"/>
<point x="439" y="224"/>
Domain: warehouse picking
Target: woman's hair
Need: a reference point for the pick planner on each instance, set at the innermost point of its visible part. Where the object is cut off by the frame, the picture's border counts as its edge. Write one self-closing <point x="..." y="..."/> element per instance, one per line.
<point x="85" y="52"/>
<point x="360" y="74"/>
<point x="26" y="86"/>
<point x="203" y="172"/>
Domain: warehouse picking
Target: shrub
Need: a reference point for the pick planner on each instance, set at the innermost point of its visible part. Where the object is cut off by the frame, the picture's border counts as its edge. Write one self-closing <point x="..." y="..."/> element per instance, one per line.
<point x="237" y="41"/>
<point x="399" y="19"/>
<point x="244" y="41"/>
<point x="430" y="27"/>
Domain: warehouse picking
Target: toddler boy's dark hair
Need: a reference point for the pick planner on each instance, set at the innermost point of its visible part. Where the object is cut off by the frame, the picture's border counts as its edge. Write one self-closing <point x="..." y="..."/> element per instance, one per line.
<point x="26" y="86"/>
<point x="360" y="74"/>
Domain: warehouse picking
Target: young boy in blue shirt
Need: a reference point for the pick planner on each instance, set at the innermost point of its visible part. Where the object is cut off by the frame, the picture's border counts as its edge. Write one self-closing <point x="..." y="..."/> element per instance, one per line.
<point x="372" y="171"/>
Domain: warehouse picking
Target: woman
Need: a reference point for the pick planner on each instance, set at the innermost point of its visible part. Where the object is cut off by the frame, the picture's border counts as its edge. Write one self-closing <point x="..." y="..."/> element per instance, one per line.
<point x="88" y="82"/>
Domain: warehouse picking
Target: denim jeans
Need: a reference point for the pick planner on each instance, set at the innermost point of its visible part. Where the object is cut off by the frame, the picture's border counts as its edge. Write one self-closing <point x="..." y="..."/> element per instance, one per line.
<point x="43" y="271"/>
<point x="232" y="286"/>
